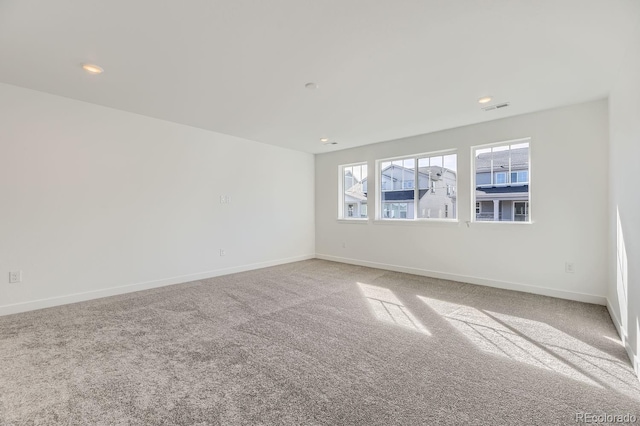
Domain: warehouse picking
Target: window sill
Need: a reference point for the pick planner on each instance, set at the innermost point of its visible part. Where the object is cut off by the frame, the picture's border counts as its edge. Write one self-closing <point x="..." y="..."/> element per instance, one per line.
<point x="362" y="221"/>
<point x="414" y="222"/>
<point x="499" y="222"/>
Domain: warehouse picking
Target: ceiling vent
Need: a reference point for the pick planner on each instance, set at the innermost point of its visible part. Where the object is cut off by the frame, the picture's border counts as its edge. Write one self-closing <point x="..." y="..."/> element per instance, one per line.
<point x="496" y="106"/>
<point x="330" y="143"/>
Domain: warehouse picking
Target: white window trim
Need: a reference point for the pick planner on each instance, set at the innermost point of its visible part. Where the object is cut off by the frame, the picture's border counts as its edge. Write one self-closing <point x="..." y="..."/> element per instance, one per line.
<point x="341" y="189"/>
<point x="418" y="222"/>
<point x="359" y="220"/>
<point x="474" y="186"/>
<point x="377" y="218"/>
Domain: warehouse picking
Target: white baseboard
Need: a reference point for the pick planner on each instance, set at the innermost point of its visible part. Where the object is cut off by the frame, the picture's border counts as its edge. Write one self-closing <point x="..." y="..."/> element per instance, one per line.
<point x="616" y="322"/>
<point x="129" y="288"/>
<point x="562" y="294"/>
<point x="633" y="357"/>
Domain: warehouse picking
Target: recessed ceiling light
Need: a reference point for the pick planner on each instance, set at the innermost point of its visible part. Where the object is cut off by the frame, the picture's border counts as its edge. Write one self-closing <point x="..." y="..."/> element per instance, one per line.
<point x="324" y="139"/>
<point x="484" y="99"/>
<point x="311" y="86"/>
<point x="92" y="69"/>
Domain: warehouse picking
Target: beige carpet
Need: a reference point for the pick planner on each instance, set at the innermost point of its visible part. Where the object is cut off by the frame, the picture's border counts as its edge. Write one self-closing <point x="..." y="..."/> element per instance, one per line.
<point x="314" y="342"/>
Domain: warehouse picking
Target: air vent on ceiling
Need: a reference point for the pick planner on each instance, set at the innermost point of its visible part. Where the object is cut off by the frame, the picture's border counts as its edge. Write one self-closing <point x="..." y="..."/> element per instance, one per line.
<point x="496" y="106"/>
<point x="330" y="143"/>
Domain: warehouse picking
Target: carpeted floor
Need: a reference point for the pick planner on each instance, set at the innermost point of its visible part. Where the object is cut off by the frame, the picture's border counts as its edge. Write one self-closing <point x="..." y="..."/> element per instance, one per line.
<point x="314" y="342"/>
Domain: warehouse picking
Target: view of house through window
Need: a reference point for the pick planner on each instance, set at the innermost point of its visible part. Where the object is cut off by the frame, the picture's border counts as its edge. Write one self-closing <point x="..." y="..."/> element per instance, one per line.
<point x="502" y="182"/>
<point x="420" y="187"/>
<point x="354" y="196"/>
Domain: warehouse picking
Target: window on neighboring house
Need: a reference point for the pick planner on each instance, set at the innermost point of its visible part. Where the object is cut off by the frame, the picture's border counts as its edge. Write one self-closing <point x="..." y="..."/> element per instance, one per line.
<point x="520" y="177"/>
<point x="353" y="191"/>
<point x="502" y="173"/>
<point x="395" y="210"/>
<point x="521" y="211"/>
<point x="418" y="187"/>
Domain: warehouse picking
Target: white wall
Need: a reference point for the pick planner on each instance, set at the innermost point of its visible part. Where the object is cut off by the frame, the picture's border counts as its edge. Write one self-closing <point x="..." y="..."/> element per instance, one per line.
<point x="569" y="162"/>
<point x="625" y="199"/>
<point x="92" y="199"/>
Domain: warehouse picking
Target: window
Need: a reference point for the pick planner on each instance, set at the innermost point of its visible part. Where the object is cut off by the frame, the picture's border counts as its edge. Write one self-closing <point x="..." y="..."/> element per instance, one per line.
<point x="395" y="210"/>
<point x="418" y="187"/>
<point x="353" y="192"/>
<point x="521" y="211"/>
<point x="520" y="177"/>
<point x="502" y="182"/>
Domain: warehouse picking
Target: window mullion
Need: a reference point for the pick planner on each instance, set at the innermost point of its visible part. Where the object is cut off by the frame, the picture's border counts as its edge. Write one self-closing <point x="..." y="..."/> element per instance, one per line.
<point x="510" y="166"/>
<point x="491" y="168"/>
<point x="416" y="191"/>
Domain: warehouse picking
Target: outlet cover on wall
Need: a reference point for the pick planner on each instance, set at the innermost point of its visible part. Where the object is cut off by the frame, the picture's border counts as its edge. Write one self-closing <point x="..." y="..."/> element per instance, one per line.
<point x="15" y="276"/>
<point x="569" y="267"/>
<point x="223" y="252"/>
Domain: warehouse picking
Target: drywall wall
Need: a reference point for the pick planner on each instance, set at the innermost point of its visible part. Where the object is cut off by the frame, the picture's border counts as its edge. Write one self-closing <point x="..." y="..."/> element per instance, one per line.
<point x="624" y="202"/>
<point x="96" y="201"/>
<point x="569" y="161"/>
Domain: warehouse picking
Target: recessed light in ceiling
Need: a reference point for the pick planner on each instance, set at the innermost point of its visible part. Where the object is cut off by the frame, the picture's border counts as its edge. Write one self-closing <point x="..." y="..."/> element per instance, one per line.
<point x="311" y="86"/>
<point x="92" y="69"/>
<point x="324" y="139"/>
<point x="484" y="99"/>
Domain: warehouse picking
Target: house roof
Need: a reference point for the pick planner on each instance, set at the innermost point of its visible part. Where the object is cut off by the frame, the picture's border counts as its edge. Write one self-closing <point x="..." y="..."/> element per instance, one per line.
<point x="519" y="159"/>
<point x="436" y="171"/>
<point x="405" y="195"/>
<point x="510" y="189"/>
<point x="421" y="170"/>
<point x="356" y="192"/>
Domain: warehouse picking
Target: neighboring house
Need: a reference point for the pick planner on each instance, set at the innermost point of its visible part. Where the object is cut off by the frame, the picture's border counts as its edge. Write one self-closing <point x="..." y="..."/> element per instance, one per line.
<point x="436" y="192"/>
<point x="355" y="197"/>
<point x="502" y="189"/>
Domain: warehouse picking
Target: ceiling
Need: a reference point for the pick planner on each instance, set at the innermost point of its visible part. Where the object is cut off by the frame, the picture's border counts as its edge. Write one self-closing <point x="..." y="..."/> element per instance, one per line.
<point x="385" y="69"/>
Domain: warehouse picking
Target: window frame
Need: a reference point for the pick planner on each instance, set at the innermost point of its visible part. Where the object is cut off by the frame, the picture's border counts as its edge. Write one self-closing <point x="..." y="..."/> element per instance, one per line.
<point x="341" y="193"/>
<point x="473" y="201"/>
<point x="379" y="216"/>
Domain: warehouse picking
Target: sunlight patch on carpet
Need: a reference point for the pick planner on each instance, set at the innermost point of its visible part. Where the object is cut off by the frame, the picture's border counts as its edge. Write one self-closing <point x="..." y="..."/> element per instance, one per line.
<point x="386" y="307"/>
<point x="498" y="337"/>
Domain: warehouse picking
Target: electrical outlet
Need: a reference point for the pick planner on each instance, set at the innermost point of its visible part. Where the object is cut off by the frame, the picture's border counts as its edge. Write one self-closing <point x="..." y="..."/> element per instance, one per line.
<point x="223" y="252"/>
<point x="15" y="276"/>
<point x="225" y="199"/>
<point x="569" y="268"/>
